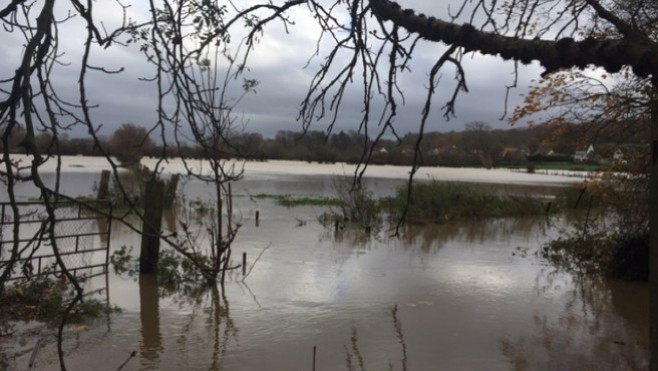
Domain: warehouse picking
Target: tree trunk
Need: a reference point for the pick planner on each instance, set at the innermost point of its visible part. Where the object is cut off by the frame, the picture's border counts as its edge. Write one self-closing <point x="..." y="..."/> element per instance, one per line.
<point x="653" y="234"/>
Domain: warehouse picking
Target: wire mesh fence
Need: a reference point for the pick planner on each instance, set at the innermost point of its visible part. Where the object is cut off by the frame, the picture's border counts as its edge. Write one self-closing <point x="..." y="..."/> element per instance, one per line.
<point x="31" y="239"/>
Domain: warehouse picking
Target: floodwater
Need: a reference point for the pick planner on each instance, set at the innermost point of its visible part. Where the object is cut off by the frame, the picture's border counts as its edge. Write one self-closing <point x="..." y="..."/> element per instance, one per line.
<point x="467" y="296"/>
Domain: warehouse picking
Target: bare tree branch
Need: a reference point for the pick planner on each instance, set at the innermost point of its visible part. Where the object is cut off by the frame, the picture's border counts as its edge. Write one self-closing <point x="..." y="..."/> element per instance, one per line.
<point x="611" y="54"/>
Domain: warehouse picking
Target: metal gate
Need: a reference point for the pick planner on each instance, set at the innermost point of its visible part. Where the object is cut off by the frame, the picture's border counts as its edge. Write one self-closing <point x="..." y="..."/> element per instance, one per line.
<point x="81" y="235"/>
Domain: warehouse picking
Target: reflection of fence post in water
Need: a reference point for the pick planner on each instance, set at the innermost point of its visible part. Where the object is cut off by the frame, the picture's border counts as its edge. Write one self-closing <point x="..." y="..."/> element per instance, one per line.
<point x="150" y="250"/>
<point x="150" y="317"/>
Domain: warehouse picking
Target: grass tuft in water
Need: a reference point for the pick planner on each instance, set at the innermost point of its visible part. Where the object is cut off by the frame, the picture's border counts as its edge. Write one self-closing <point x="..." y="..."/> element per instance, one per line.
<point x="293" y="201"/>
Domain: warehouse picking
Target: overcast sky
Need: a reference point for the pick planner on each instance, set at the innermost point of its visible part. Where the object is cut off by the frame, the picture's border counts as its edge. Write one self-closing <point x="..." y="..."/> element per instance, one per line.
<point x="278" y="64"/>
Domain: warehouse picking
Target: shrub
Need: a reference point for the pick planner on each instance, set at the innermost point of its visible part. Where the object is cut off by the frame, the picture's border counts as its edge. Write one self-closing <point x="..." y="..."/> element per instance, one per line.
<point x="44" y="299"/>
<point x="600" y="252"/>
<point x="615" y="242"/>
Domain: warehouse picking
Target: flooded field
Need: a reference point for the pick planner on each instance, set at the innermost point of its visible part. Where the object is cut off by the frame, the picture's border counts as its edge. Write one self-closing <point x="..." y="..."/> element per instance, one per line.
<point x="466" y="296"/>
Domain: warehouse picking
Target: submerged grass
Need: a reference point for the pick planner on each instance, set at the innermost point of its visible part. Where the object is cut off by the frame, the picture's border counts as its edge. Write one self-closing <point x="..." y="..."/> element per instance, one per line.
<point x="292" y="201"/>
<point x="440" y="202"/>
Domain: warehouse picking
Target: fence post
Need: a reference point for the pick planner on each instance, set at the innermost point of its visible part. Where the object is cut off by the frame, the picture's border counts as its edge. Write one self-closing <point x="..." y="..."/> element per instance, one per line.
<point x="150" y="249"/>
<point x="171" y="190"/>
<point x="104" y="185"/>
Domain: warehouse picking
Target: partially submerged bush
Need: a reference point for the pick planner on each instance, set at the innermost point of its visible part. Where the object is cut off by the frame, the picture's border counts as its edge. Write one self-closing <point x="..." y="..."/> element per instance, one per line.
<point x="601" y="252"/>
<point x="174" y="272"/>
<point x="614" y="238"/>
<point x="358" y="206"/>
<point x="44" y="299"/>
<point x="631" y="258"/>
<point x="579" y="251"/>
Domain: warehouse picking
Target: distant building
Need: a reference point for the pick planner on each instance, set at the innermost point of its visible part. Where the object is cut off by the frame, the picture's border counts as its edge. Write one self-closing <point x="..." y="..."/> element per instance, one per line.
<point x="508" y="151"/>
<point x="618" y="156"/>
<point x="582" y="156"/>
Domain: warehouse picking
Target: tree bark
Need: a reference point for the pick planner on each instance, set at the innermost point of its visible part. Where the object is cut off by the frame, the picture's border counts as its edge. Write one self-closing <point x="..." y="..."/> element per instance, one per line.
<point x="653" y="234"/>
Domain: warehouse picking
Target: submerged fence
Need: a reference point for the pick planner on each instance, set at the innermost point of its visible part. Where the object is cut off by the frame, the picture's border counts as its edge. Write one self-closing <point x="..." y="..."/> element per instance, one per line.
<point x="81" y="236"/>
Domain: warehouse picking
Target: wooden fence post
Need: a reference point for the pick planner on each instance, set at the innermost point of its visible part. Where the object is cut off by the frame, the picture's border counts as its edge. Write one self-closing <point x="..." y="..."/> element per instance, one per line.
<point x="104" y="186"/>
<point x="171" y="191"/>
<point x="150" y="249"/>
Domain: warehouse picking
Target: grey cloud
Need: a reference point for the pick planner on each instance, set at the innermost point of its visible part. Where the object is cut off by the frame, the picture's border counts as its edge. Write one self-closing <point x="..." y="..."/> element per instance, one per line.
<point x="278" y="65"/>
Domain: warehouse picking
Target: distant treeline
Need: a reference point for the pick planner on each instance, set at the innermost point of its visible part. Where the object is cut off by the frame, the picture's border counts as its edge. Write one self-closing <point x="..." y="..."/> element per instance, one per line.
<point x="477" y="145"/>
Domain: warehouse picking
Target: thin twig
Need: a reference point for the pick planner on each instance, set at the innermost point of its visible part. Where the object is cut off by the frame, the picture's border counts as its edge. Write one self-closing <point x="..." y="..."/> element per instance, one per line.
<point x="131" y="356"/>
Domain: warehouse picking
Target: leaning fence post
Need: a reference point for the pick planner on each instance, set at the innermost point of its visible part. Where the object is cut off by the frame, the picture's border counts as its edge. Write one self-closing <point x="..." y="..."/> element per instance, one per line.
<point x="170" y="191"/>
<point x="150" y="249"/>
<point x="104" y="185"/>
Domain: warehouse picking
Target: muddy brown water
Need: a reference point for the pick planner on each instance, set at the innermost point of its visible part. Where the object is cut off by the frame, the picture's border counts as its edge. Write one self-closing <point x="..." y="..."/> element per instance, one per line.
<point x="469" y="296"/>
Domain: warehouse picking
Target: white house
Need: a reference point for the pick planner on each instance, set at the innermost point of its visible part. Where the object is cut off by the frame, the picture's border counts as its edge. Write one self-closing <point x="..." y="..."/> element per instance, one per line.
<point x="582" y="156"/>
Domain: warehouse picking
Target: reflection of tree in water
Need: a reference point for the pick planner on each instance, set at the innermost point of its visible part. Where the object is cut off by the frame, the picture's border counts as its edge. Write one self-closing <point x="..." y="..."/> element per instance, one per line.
<point x="219" y="314"/>
<point x="354" y="360"/>
<point x="209" y="313"/>
<point x="431" y="237"/>
<point x="349" y="236"/>
<point x="604" y="325"/>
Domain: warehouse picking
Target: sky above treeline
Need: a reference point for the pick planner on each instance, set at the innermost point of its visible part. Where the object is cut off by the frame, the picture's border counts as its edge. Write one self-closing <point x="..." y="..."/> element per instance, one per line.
<point x="280" y="64"/>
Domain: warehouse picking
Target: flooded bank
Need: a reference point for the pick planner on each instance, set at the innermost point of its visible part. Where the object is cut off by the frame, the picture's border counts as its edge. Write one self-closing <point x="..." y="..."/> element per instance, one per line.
<point x="465" y="299"/>
<point x="465" y="296"/>
<point x="83" y="173"/>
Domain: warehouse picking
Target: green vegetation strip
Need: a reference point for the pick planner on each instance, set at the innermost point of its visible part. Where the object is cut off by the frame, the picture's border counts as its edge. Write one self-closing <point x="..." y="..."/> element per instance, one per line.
<point x="442" y="202"/>
<point x="292" y="201"/>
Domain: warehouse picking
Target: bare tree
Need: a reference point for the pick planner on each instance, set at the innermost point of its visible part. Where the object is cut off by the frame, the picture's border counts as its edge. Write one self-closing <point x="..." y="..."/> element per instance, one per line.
<point x="129" y="143"/>
<point x="197" y="99"/>
<point x="372" y="43"/>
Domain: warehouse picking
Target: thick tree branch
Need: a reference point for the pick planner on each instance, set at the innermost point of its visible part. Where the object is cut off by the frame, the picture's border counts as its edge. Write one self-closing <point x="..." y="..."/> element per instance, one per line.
<point x="621" y="26"/>
<point x="610" y="54"/>
<point x="10" y="8"/>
